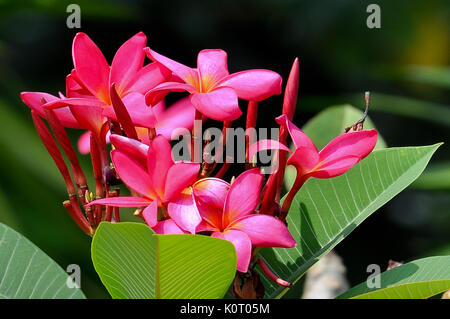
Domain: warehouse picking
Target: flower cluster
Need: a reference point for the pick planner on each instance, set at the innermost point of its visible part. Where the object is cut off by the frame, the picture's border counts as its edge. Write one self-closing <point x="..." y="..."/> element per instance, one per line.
<point x="123" y="104"/>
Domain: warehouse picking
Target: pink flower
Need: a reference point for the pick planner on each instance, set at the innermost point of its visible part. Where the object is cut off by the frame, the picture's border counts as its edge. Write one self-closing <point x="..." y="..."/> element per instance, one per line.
<point x="337" y="157"/>
<point x="151" y="172"/>
<point x="214" y="92"/>
<point x="228" y="211"/>
<point x="88" y="86"/>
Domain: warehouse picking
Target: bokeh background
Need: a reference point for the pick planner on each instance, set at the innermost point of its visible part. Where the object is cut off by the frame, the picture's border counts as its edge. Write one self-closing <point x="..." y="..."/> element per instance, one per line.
<point x="405" y="64"/>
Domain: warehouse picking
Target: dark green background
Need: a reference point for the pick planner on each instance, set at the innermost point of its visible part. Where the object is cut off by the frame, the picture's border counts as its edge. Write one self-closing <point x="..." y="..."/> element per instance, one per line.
<point x="340" y="58"/>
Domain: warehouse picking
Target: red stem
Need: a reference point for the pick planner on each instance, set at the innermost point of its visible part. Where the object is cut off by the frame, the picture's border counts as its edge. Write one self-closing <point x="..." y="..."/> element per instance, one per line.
<point x="299" y="181"/>
<point x="63" y="139"/>
<point x="252" y="113"/>
<point x="271" y="275"/>
<point x="53" y="150"/>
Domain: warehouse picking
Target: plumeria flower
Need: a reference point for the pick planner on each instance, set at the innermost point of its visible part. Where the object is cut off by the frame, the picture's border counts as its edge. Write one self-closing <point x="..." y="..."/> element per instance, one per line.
<point x="337" y="157"/>
<point x="228" y="211"/>
<point x="151" y="172"/>
<point x="214" y="92"/>
<point x="88" y="86"/>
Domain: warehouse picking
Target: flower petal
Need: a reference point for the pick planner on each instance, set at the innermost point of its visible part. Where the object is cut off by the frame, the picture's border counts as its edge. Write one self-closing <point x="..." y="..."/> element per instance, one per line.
<point x="210" y="195"/>
<point x="211" y="215"/>
<point x="168" y="227"/>
<point x="135" y="149"/>
<point x="220" y="104"/>
<point x="211" y="191"/>
<point x="132" y="174"/>
<point x="156" y="94"/>
<point x="184" y="212"/>
<point x="127" y="61"/>
<point x="265" y="231"/>
<point x="123" y="201"/>
<point x="159" y="160"/>
<point x="184" y="72"/>
<point x="205" y="226"/>
<point x="74" y="101"/>
<point x="148" y="77"/>
<point x="212" y="65"/>
<point x="150" y="214"/>
<point x="75" y="88"/>
<point x="91" y="66"/>
<point x="304" y="159"/>
<point x="335" y="168"/>
<point x="89" y="117"/>
<point x="263" y="145"/>
<point x="358" y="144"/>
<point x="254" y="85"/>
<point x="180" y="176"/>
<point x="179" y="115"/>
<point x="299" y="138"/>
<point x="241" y="243"/>
<point x="84" y="143"/>
<point x="141" y="115"/>
<point x="243" y="196"/>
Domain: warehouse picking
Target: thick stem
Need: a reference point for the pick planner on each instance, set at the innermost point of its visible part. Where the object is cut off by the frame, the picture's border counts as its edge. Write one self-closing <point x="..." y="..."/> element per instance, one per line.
<point x="252" y="113"/>
<point x="299" y="181"/>
<point x="271" y="275"/>
<point x="268" y="201"/>
<point x="63" y="140"/>
<point x="97" y="166"/>
<point x="282" y="157"/>
<point x="53" y="150"/>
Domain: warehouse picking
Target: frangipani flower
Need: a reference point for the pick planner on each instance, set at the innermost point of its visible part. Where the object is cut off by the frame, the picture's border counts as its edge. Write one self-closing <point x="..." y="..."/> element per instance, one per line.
<point x="215" y="92"/>
<point x="88" y="86"/>
<point x="228" y="212"/>
<point x="151" y="172"/>
<point x="337" y="157"/>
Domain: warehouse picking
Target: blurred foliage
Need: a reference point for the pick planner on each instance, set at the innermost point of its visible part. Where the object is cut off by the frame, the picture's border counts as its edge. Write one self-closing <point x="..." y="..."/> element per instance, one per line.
<point x="405" y="64"/>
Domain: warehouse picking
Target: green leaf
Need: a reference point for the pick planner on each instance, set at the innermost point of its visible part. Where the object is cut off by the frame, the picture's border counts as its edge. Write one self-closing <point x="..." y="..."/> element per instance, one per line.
<point x="325" y="211"/>
<point x="134" y="262"/>
<point x="332" y="121"/>
<point x="26" y="272"/>
<point x="419" y="279"/>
